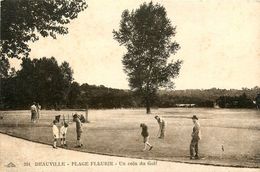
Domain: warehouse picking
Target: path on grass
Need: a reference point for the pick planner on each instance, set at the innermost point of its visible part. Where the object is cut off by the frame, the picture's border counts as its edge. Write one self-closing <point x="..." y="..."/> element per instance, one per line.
<point x="16" y="152"/>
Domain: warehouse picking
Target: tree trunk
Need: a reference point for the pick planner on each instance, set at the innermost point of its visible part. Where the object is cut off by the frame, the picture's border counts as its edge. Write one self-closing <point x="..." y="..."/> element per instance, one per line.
<point x="148" y="106"/>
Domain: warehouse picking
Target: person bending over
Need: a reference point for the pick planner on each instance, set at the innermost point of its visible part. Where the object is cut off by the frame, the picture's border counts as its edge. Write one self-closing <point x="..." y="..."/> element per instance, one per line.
<point x="145" y="135"/>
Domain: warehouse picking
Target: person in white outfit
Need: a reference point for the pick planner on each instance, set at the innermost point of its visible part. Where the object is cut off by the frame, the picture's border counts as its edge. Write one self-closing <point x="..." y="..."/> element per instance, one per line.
<point x="55" y="131"/>
<point x="63" y="134"/>
<point x="33" y="112"/>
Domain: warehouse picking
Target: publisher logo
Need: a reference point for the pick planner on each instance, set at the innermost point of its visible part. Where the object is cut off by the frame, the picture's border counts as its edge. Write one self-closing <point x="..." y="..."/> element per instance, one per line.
<point x="10" y="165"/>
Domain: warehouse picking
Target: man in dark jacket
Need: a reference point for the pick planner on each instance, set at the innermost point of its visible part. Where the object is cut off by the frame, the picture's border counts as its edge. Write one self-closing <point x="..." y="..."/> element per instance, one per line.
<point x="78" y="130"/>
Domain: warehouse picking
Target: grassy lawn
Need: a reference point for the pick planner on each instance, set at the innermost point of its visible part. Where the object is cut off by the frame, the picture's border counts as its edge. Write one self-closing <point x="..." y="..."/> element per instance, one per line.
<point x="117" y="132"/>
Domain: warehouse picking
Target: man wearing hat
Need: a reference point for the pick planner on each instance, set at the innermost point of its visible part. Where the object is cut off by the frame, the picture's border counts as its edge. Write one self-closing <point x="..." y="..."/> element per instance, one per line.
<point x="57" y="118"/>
<point x="78" y="130"/>
<point x="161" y="123"/>
<point x="33" y="112"/>
<point x="196" y="136"/>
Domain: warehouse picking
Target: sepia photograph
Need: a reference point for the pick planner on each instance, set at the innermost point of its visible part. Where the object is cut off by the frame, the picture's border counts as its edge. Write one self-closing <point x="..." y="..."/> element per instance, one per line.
<point x="136" y="86"/>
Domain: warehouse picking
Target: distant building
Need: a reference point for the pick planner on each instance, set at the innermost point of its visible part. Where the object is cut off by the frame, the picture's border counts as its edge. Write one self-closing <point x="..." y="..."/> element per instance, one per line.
<point x="186" y="105"/>
<point x="216" y="105"/>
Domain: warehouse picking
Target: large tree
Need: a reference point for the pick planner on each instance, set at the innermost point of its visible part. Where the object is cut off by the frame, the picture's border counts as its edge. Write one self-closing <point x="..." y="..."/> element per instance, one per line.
<point x="147" y="34"/>
<point x="41" y="80"/>
<point x="23" y="21"/>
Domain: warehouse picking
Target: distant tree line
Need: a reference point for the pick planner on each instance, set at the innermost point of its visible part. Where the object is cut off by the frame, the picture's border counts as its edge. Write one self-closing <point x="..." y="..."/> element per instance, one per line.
<point x="224" y="98"/>
<point x="99" y="97"/>
<point x="43" y="80"/>
<point x="241" y="101"/>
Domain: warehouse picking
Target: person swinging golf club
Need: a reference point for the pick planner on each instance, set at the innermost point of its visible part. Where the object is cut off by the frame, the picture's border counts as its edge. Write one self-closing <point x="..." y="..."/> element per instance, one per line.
<point x="161" y="123"/>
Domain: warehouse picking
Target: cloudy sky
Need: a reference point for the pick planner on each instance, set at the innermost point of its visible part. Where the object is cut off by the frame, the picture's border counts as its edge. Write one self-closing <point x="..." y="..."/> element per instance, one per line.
<point x="220" y="43"/>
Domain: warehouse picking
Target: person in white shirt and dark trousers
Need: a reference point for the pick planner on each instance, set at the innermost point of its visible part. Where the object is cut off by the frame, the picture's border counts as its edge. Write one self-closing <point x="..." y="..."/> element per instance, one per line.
<point x="56" y="133"/>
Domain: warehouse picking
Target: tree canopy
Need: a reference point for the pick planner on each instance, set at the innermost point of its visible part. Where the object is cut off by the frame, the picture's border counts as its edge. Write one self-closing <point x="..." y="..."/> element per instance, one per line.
<point x="41" y="80"/>
<point x="147" y="34"/>
<point x="23" y="21"/>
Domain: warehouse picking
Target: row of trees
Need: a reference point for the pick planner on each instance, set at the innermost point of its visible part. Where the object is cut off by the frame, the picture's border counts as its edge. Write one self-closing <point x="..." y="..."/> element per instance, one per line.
<point x="41" y="80"/>
<point x="45" y="81"/>
<point x="100" y="97"/>
<point x="224" y="98"/>
<point x="241" y="101"/>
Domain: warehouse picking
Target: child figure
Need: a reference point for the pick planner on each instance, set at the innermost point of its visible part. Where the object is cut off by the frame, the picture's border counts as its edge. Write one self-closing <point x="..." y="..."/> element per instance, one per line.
<point x="63" y="134"/>
<point x="55" y="132"/>
<point x="145" y="135"/>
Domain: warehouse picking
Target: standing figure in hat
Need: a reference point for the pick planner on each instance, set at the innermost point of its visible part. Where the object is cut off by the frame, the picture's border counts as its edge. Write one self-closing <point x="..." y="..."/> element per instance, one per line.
<point x="161" y="123"/>
<point x="78" y="130"/>
<point x="33" y="112"/>
<point x="196" y="136"/>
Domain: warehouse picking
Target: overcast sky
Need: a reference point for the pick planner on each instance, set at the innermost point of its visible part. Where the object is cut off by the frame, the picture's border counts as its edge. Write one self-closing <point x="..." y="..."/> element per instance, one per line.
<point x="220" y="43"/>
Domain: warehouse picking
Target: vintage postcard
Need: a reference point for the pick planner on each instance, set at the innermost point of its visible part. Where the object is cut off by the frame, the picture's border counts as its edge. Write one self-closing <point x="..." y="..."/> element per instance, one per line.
<point x="137" y="85"/>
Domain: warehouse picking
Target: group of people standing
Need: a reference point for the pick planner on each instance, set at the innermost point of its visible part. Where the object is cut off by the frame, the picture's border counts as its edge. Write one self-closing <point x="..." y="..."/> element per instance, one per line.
<point x="195" y="135"/>
<point x="60" y="133"/>
<point x="35" y="112"/>
<point x="59" y="128"/>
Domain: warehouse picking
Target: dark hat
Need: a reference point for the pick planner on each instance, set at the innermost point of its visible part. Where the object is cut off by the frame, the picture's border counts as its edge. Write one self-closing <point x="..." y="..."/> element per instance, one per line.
<point x="75" y="115"/>
<point x="66" y="124"/>
<point x="194" y="117"/>
<point x="156" y="116"/>
<point x="57" y="118"/>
